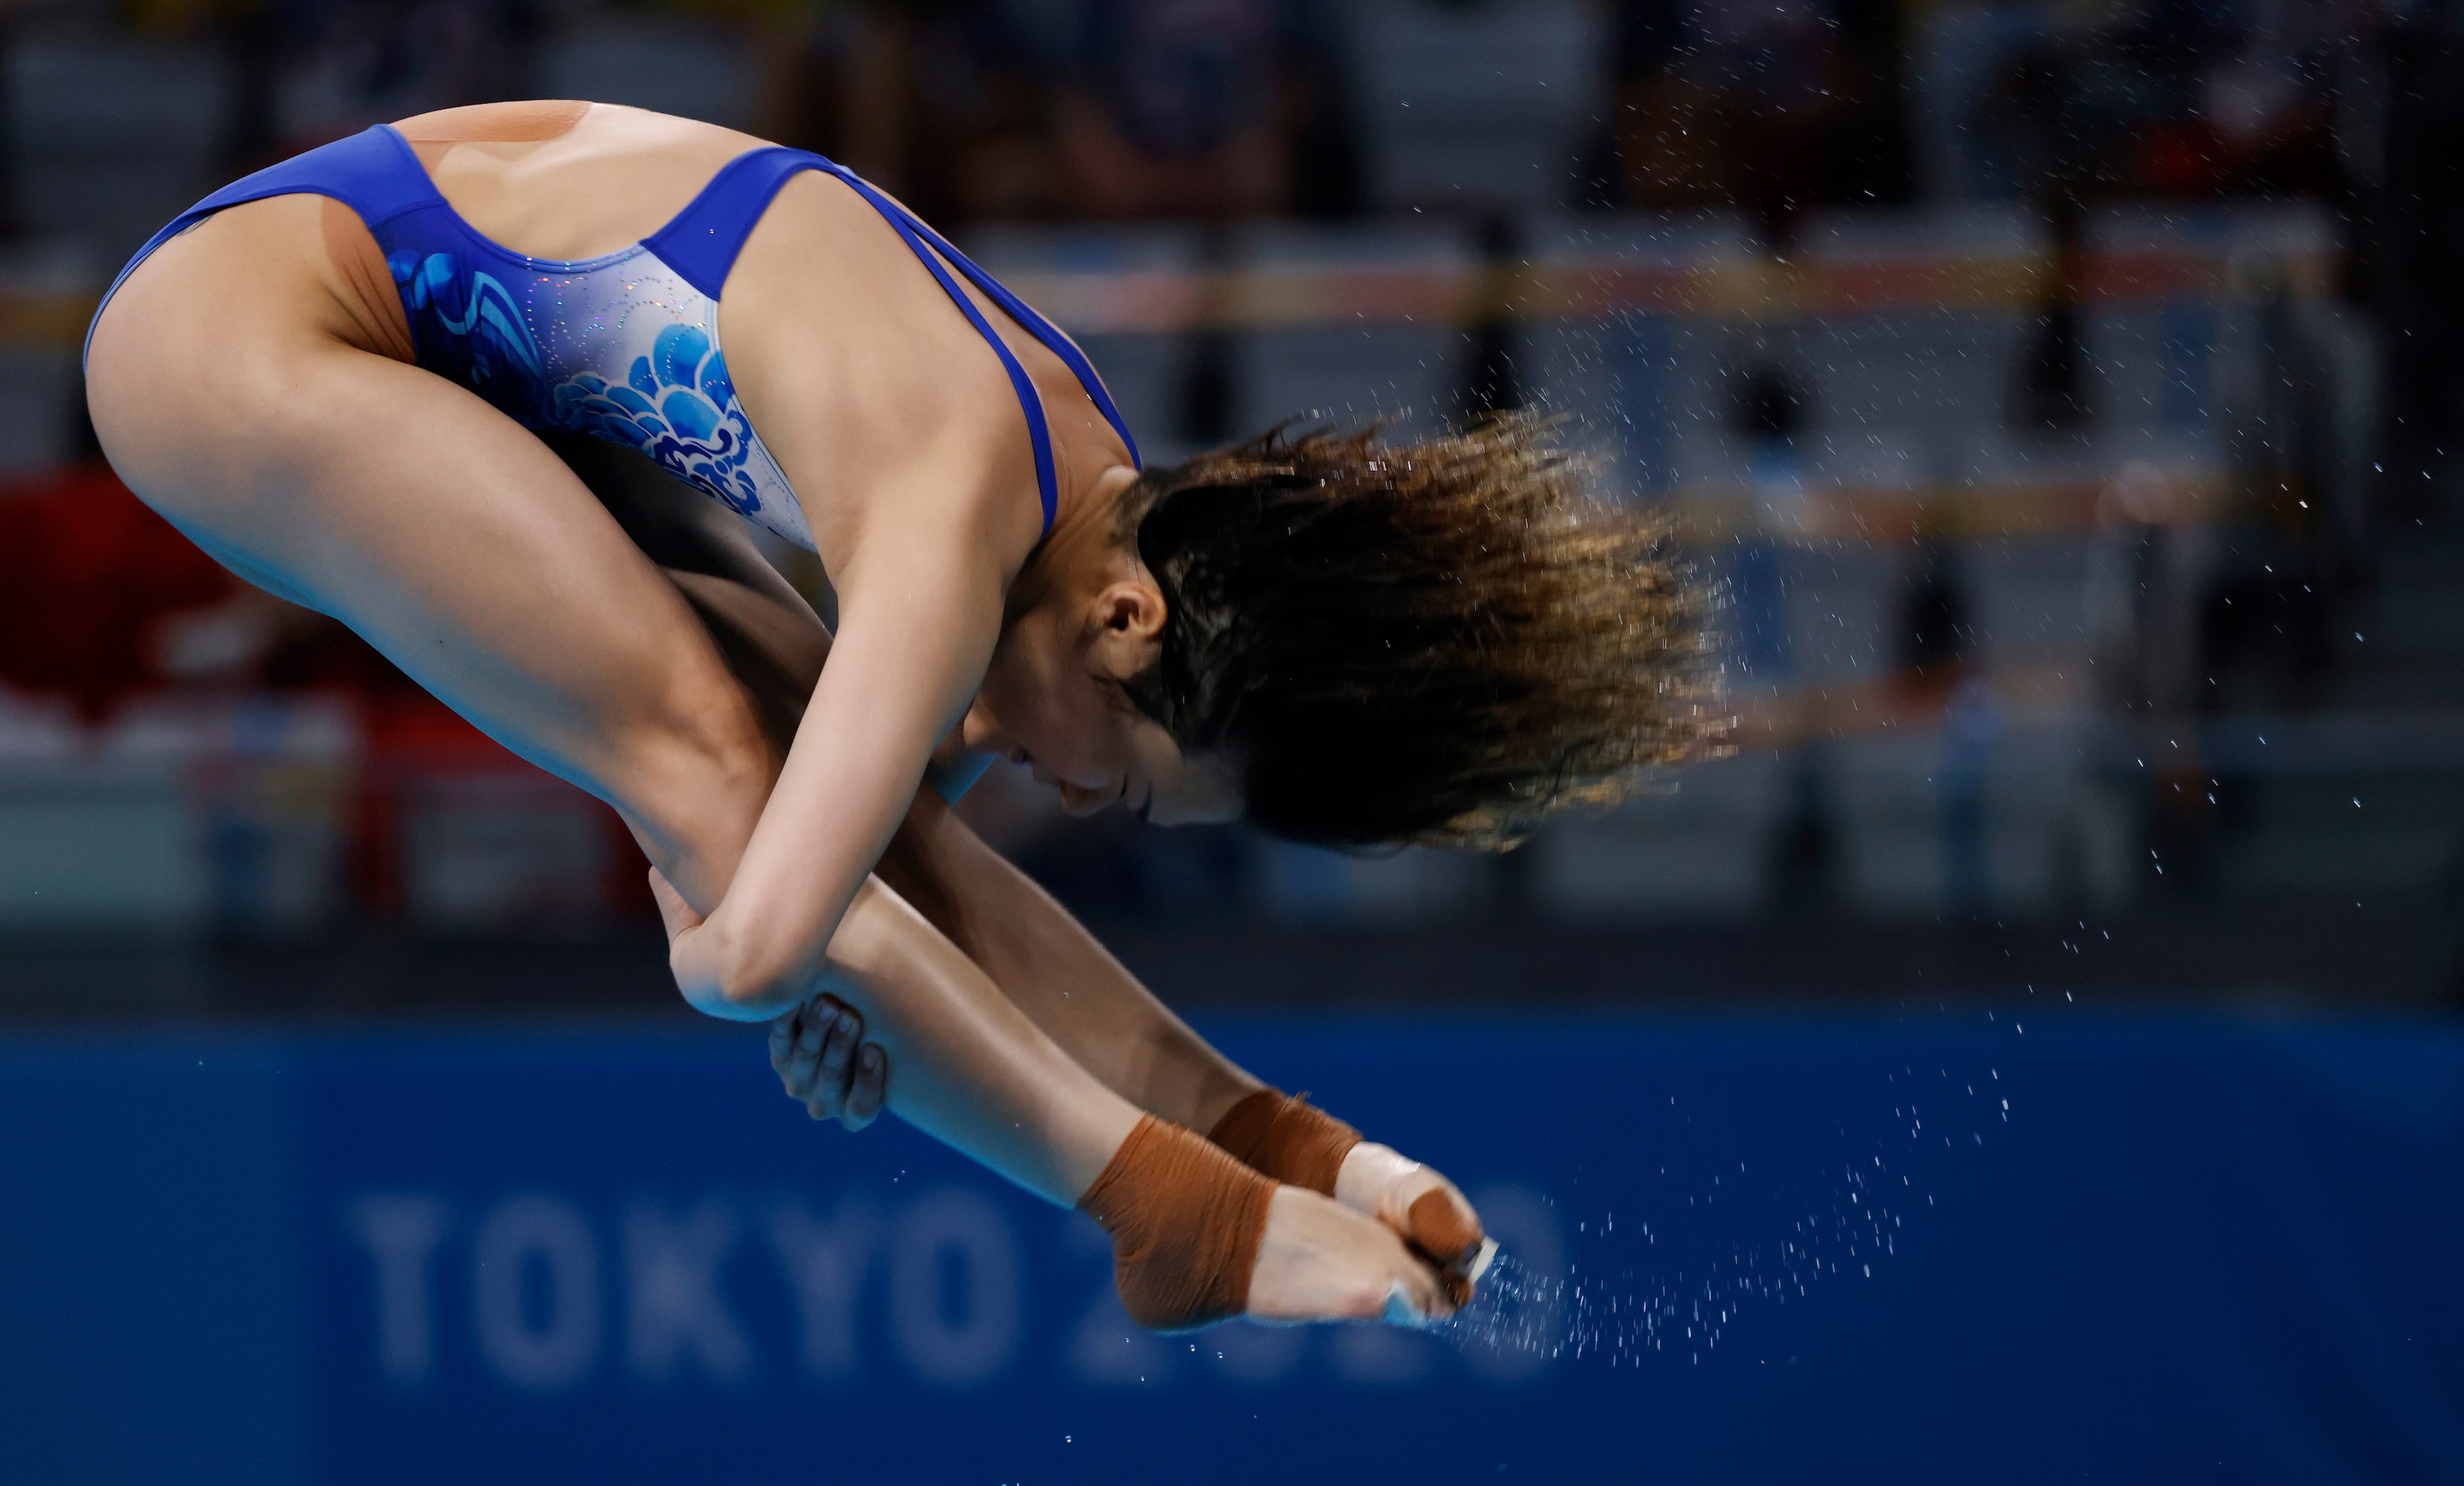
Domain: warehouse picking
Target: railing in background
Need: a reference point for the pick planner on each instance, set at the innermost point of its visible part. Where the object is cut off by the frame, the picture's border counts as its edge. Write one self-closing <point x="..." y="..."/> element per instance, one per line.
<point x="1907" y="331"/>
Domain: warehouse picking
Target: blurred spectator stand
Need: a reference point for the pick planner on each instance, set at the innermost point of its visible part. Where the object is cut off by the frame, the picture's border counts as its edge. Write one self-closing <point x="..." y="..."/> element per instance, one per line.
<point x="1482" y="105"/>
<point x="459" y="837"/>
<point x="182" y="753"/>
<point x="2053" y="392"/>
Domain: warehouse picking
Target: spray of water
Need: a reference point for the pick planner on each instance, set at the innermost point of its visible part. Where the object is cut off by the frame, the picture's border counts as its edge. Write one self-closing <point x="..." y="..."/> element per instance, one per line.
<point x="1847" y="1220"/>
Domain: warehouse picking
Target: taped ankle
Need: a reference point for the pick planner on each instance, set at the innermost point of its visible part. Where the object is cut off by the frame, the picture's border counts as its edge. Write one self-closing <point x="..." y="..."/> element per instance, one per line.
<point x="1186" y="1220"/>
<point x="1289" y="1140"/>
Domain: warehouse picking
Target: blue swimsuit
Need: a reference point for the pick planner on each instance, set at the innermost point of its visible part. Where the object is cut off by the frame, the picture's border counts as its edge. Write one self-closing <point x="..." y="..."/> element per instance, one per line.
<point x="625" y="346"/>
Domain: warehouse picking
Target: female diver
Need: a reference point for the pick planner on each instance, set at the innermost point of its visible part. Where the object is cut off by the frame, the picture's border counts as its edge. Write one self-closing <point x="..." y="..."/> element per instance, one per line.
<point x="459" y="383"/>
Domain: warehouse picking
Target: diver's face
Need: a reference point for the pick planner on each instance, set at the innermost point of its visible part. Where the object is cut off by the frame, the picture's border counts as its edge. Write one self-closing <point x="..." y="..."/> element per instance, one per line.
<point x="1051" y="700"/>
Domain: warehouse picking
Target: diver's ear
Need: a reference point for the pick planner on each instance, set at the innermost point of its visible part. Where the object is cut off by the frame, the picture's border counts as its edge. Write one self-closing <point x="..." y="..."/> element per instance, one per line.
<point x="1125" y="627"/>
<point x="1130" y="606"/>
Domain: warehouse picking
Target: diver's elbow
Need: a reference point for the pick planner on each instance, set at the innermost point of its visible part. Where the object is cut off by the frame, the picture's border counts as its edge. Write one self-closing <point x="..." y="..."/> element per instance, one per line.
<point x="727" y="977"/>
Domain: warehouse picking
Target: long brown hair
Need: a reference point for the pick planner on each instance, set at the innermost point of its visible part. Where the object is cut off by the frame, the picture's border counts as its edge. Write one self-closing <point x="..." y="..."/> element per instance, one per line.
<point x="1435" y="644"/>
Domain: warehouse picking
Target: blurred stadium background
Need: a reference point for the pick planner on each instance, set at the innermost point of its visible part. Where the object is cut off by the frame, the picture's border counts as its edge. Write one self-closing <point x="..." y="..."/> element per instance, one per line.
<point x="2066" y="394"/>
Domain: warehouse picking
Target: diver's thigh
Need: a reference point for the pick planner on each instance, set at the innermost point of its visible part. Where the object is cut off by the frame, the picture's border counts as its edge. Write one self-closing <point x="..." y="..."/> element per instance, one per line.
<point x="458" y="545"/>
<point x="768" y="635"/>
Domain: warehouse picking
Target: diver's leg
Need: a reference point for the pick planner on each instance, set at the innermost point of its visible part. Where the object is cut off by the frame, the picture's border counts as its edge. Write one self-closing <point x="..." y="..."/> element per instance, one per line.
<point x="461" y="548"/>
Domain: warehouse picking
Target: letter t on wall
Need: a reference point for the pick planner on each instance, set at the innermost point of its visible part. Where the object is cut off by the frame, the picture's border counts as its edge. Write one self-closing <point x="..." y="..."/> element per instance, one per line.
<point x="401" y="1231"/>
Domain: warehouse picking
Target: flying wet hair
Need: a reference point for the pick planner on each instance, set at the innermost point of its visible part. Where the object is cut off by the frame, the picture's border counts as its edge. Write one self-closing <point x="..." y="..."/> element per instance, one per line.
<point x="1435" y="644"/>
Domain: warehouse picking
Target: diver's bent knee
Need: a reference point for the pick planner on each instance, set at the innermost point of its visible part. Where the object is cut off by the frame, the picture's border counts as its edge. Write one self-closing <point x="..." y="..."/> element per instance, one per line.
<point x="692" y="763"/>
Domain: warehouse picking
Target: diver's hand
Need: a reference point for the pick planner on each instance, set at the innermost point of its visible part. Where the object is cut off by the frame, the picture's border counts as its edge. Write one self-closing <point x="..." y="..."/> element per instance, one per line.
<point x="821" y="1056"/>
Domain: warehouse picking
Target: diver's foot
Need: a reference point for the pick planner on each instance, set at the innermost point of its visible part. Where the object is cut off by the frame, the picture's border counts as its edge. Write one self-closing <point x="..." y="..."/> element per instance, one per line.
<point x="1423" y="1208"/>
<point x="1319" y="1261"/>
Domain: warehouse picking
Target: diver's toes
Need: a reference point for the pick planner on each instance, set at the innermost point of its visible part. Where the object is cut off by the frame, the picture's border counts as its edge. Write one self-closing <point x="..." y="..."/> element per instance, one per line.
<point x="1444" y="1229"/>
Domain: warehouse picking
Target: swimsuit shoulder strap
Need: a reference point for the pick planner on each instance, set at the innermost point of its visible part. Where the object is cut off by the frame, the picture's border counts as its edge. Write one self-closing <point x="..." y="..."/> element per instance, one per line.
<point x="374" y="172"/>
<point x="703" y="241"/>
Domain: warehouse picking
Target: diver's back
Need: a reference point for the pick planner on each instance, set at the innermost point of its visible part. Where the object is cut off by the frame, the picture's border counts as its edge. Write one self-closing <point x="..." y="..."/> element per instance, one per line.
<point x="567" y="180"/>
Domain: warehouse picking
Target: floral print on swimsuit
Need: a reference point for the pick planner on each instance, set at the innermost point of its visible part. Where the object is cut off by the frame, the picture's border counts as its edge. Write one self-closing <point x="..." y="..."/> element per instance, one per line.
<point x="616" y="347"/>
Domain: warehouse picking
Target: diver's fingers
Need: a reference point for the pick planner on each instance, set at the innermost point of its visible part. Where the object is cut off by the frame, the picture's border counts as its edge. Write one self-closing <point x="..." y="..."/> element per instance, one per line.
<point x="867" y="1089"/>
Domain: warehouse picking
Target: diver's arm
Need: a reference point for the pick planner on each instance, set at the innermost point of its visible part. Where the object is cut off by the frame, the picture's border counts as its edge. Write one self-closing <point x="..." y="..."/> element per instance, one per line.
<point x="917" y="623"/>
<point x="1058" y="974"/>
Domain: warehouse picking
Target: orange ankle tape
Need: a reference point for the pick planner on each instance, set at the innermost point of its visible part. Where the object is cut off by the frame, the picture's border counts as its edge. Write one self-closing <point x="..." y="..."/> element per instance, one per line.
<point x="1291" y="1140"/>
<point x="1186" y="1220"/>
